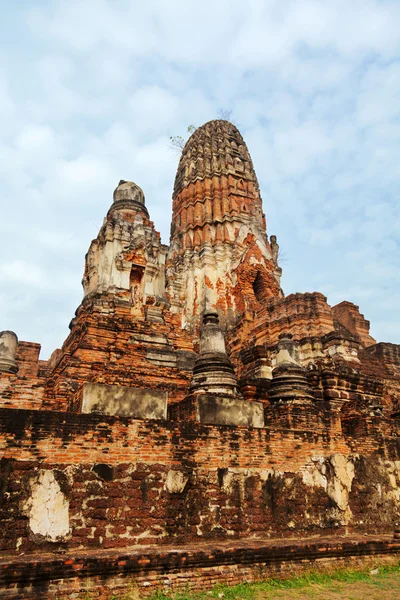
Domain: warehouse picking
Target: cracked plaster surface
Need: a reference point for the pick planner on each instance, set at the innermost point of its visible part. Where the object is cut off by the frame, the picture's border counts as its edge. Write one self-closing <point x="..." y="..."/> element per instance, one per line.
<point x="336" y="480"/>
<point x="176" y="481"/>
<point x="47" y="507"/>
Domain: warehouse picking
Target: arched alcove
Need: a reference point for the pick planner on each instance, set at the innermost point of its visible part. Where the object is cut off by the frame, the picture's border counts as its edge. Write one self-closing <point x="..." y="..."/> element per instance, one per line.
<point x="258" y="287"/>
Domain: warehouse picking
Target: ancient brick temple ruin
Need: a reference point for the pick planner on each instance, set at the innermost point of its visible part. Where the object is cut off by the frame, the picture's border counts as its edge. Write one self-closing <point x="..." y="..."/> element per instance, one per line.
<point x="197" y="425"/>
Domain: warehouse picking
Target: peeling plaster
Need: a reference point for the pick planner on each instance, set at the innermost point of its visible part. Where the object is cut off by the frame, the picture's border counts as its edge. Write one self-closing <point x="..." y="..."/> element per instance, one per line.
<point x="334" y="474"/>
<point x="176" y="482"/>
<point x="47" y="507"/>
<point x="314" y="473"/>
<point x="340" y="488"/>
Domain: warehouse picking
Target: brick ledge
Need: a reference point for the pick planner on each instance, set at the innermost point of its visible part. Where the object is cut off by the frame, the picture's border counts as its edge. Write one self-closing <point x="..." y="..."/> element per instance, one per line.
<point x="33" y="569"/>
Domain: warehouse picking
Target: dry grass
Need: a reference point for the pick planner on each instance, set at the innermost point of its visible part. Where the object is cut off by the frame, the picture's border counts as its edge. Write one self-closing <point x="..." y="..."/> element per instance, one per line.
<point x="380" y="584"/>
<point x="386" y="587"/>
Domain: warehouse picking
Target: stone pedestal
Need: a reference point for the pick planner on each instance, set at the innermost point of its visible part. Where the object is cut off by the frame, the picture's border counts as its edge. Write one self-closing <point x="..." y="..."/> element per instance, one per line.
<point x="211" y="409"/>
<point x="289" y="382"/>
<point x="122" y="401"/>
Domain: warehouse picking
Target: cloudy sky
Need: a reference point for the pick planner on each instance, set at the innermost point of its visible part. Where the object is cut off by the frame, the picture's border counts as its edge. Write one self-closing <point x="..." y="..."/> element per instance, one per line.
<point x="91" y="91"/>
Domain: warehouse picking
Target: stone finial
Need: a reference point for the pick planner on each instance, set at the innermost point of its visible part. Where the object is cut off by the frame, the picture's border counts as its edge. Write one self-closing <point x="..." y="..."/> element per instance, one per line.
<point x="211" y="338"/>
<point x="287" y="351"/>
<point x="8" y="349"/>
<point x="213" y="371"/>
<point x="128" y="190"/>
<point x="216" y="148"/>
<point x="128" y="196"/>
<point x="289" y="381"/>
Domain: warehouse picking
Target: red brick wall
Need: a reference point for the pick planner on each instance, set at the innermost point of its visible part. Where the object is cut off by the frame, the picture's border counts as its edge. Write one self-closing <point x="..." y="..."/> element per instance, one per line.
<point x="348" y="314"/>
<point x="240" y="482"/>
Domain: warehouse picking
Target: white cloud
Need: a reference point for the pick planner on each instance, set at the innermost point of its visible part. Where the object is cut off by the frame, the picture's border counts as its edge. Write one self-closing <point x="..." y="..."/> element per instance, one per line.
<point x="97" y="87"/>
<point x="153" y="108"/>
<point x="21" y="271"/>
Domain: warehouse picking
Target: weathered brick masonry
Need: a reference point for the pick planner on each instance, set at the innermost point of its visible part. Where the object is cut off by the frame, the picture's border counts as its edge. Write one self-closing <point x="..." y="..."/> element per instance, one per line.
<point x="191" y="404"/>
<point x="200" y="566"/>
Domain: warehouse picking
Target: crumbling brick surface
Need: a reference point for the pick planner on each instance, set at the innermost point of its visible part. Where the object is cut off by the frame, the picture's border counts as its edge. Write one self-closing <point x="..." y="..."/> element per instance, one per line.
<point x="106" y="574"/>
<point x="115" y="473"/>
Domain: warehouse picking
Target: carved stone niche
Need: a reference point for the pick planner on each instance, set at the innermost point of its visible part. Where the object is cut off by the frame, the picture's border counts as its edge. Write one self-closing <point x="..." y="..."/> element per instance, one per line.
<point x="135" y="285"/>
<point x="8" y="349"/>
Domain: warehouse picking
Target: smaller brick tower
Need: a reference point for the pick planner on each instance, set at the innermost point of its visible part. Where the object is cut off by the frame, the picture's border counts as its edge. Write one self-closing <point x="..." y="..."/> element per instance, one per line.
<point x="126" y="257"/>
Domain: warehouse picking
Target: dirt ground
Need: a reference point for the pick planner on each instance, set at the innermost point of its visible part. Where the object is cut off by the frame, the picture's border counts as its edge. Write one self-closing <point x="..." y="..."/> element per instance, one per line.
<point x="384" y="587"/>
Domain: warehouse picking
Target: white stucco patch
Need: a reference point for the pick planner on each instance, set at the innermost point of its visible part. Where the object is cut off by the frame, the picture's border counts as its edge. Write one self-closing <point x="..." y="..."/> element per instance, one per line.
<point x="339" y="489"/>
<point x="176" y="481"/>
<point x="336" y="481"/>
<point x="314" y="473"/>
<point x="47" y="507"/>
<point x="392" y="469"/>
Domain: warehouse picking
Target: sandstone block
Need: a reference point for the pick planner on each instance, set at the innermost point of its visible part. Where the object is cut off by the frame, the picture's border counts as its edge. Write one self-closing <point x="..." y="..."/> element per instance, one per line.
<point x="138" y="403"/>
<point x="213" y="410"/>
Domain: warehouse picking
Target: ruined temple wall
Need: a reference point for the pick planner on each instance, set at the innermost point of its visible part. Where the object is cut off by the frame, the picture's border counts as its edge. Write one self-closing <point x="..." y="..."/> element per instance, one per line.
<point x="302" y="315"/>
<point x="25" y="388"/>
<point x="307" y="317"/>
<point x="320" y="336"/>
<point x="17" y="392"/>
<point x="114" y="482"/>
<point x="383" y="358"/>
<point x="140" y="357"/>
<point x="106" y="345"/>
<point x="348" y="315"/>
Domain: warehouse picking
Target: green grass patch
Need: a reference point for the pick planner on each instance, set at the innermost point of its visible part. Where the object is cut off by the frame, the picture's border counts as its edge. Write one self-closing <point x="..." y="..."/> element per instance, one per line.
<point x="250" y="591"/>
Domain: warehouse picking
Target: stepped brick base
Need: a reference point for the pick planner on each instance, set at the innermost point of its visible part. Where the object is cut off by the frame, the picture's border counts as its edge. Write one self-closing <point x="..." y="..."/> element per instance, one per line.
<point x="101" y="574"/>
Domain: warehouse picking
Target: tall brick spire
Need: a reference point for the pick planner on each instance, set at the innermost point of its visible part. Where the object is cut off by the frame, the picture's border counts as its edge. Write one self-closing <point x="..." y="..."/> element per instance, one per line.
<point x="219" y="258"/>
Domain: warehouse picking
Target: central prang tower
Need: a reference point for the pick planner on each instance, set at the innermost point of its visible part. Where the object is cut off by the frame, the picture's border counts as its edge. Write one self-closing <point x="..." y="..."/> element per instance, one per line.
<point x="219" y="258"/>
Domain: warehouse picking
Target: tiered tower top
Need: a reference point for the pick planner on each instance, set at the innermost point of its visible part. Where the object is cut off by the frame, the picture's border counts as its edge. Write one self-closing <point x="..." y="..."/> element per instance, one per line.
<point x="216" y="148"/>
<point x="216" y="171"/>
<point x="219" y="257"/>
